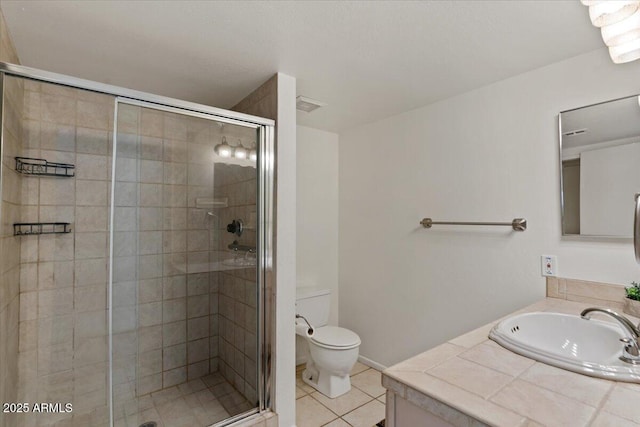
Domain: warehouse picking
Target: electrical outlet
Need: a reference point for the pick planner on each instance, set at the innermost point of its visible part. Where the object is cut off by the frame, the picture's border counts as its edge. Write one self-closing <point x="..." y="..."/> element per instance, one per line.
<point x="549" y="264"/>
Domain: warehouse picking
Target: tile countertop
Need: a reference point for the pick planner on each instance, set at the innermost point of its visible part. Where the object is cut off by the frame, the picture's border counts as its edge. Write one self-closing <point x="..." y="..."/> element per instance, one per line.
<point x="471" y="378"/>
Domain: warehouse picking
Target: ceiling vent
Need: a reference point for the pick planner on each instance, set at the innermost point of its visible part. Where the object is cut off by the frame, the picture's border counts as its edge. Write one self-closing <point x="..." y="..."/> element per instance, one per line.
<point x="575" y="132"/>
<point x="307" y="104"/>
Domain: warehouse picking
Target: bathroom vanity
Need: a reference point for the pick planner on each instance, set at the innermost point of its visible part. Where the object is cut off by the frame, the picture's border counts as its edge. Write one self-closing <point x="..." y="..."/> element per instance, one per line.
<point x="472" y="381"/>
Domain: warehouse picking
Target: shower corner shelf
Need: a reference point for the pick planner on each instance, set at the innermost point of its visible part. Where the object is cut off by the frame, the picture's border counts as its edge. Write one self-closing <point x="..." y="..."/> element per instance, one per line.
<point x="211" y="203"/>
<point x="42" y="167"/>
<point x="33" y="228"/>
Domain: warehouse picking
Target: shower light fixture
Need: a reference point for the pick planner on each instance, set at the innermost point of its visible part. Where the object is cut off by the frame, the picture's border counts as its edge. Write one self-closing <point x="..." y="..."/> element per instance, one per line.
<point x="224" y="149"/>
<point x="620" y="27"/>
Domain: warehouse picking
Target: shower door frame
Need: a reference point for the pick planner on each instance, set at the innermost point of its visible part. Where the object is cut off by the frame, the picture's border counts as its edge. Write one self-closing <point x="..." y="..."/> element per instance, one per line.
<point x="265" y="166"/>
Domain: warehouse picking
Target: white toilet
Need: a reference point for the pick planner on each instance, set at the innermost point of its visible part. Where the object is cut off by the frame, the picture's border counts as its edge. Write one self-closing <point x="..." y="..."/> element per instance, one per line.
<point x="332" y="350"/>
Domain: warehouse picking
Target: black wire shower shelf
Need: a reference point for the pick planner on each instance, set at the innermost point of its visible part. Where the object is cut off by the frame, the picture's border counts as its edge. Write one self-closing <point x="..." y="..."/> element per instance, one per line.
<point x="42" y="167"/>
<point x="31" y="228"/>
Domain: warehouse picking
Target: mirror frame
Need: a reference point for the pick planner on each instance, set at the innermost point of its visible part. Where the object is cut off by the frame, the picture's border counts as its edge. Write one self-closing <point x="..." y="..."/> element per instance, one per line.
<point x="598" y="237"/>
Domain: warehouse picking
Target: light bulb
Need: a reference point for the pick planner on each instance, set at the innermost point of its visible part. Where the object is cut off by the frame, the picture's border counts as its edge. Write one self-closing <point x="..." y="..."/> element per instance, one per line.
<point x="609" y="12"/>
<point x="622" y="32"/>
<point x="253" y="155"/>
<point x="224" y="149"/>
<point x="626" y="52"/>
<point x="241" y="152"/>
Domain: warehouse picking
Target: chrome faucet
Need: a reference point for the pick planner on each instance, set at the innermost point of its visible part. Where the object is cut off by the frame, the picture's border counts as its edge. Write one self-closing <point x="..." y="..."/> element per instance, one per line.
<point x="631" y="350"/>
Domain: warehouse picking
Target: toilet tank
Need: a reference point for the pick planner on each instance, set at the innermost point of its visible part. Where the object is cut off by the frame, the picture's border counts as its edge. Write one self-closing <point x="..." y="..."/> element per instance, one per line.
<point x="314" y="304"/>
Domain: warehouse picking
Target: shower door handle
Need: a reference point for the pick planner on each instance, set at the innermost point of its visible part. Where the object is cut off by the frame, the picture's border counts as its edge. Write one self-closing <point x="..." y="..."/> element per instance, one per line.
<point x="636" y="228"/>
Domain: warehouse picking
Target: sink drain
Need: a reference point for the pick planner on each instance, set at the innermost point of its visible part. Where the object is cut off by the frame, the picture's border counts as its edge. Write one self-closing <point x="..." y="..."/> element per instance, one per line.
<point x="149" y="424"/>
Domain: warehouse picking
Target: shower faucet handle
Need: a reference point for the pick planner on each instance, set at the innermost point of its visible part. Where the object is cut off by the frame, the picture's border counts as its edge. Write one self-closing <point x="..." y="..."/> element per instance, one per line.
<point x="236" y="227"/>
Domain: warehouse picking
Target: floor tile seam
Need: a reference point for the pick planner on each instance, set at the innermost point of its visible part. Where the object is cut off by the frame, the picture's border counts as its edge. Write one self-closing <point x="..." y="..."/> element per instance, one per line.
<point x="338" y="415"/>
<point x="329" y="422"/>
<point x="368" y="394"/>
<point x="364" y="370"/>
<point x="361" y="372"/>
<point x="356" y="408"/>
<point x="360" y="388"/>
<point x="339" y="418"/>
<point x="324" y="406"/>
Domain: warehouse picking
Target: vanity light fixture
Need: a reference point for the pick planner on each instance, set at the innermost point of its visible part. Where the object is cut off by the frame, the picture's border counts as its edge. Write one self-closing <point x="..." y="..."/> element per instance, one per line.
<point x="223" y="149"/>
<point x="253" y="154"/>
<point x="626" y="52"/>
<point x="619" y="23"/>
<point x="607" y="12"/>
<point x="622" y="32"/>
<point x="240" y="152"/>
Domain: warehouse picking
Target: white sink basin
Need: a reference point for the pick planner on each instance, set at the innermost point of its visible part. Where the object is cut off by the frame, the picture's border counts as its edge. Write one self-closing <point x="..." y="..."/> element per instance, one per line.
<point x="589" y="347"/>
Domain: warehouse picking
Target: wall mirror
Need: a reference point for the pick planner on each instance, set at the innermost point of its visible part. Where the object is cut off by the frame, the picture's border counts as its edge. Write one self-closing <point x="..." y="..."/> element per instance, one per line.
<point x="600" y="168"/>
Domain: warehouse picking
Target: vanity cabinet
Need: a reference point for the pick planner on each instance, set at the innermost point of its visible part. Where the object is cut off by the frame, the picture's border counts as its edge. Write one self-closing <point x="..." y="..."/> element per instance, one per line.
<point x="402" y="413"/>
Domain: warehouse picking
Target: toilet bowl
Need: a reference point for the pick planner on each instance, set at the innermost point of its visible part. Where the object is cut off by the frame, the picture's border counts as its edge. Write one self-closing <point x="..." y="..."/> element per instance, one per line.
<point x="332" y="351"/>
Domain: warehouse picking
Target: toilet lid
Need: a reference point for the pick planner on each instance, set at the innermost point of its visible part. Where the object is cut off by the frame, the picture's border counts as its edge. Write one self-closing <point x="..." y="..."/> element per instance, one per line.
<point x="336" y="337"/>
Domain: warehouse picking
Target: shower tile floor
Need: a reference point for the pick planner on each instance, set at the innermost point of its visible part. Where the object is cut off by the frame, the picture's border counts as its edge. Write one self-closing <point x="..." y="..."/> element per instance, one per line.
<point x="200" y="402"/>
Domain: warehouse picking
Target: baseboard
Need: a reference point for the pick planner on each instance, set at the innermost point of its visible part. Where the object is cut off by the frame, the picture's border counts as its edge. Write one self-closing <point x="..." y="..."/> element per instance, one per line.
<point x="301" y="360"/>
<point x="371" y="363"/>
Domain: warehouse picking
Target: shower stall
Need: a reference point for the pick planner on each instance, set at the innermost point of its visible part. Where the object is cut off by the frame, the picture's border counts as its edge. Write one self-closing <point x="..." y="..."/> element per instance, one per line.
<point x="135" y="245"/>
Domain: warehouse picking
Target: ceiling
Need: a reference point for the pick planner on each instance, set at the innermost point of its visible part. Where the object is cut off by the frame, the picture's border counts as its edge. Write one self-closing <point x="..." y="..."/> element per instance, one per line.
<point x="604" y="122"/>
<point x="367" y="60"/>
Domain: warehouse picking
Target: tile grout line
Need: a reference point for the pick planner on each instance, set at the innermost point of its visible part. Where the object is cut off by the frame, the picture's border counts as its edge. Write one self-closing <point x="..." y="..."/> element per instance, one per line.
<point x="599" y="408"/>
<point x="371" y="399"/>
<point x="341" y="417"/>
<point x="568" y="397"/>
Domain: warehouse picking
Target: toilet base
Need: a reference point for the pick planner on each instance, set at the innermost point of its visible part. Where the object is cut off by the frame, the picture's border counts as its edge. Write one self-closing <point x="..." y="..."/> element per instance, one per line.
<point x="331" y="386"/>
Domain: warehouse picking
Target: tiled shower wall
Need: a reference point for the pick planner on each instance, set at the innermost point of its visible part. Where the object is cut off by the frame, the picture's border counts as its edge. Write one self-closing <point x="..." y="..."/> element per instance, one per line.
<point x="63" y="277"/>
<point x="10" y="247"/>
<point x="238" y="288"/>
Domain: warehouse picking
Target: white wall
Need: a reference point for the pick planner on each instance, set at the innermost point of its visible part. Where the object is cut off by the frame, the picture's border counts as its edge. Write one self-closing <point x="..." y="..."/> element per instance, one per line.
<point x="286" y="251"/>
<point x="609" y="178"/>
<point x="317" y="212"/>
<point x="490" y="154"/>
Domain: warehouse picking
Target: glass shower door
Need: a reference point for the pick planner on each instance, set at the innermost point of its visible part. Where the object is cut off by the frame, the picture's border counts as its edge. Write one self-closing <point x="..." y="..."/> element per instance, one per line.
<point x="184" y="279"/>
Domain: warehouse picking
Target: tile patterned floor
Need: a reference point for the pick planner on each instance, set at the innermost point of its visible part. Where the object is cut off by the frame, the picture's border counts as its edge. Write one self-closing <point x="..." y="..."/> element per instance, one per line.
<point x="200" y="402"/>
<point x="362" y="406"/>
